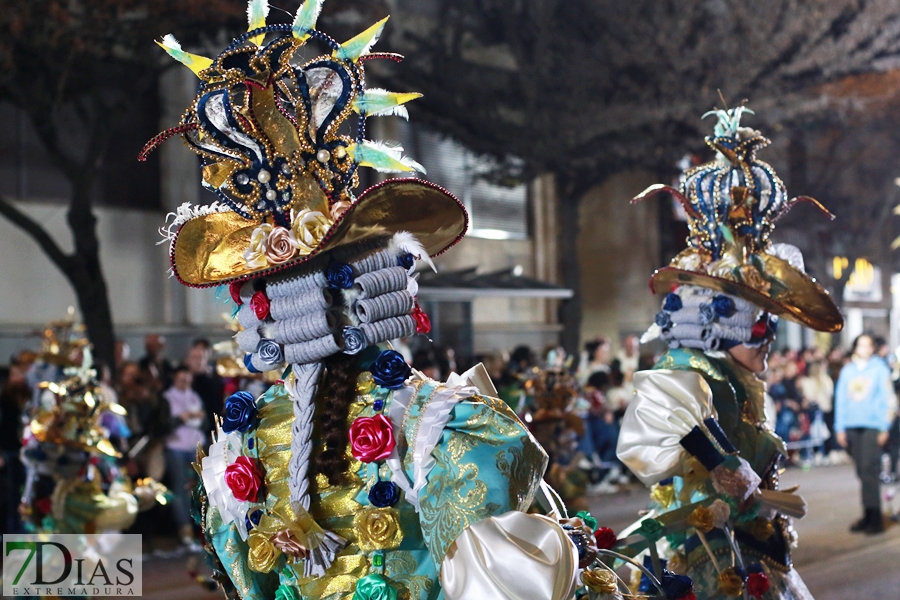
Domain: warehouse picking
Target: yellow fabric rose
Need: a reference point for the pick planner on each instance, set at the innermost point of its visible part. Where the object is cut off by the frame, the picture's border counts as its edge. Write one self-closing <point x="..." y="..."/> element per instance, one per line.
<point x="730" y="583"/>
<point x="600" y="581"/>
<point x="701" y="519"/>
<point x="263" y="553"/>
<point x="255" y="254"/>
<point x="308" y="227"/>
<point x="377" y="529"/>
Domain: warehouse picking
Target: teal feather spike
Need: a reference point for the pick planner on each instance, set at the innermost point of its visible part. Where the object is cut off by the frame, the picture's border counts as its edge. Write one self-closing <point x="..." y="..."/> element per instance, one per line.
<point x="194" y="62"/>
<point x="383" y="158"/>
<point x="306" y="18"/>
<point x="360" y="45"/>
<point x="728" y="120"/>
<point x="257" y="11"/>
<point x="381" y="103"/>
<point x="726" y="233"/>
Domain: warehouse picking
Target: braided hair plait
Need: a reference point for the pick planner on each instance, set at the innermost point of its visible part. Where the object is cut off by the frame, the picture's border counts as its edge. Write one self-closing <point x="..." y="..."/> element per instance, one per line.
<point x="337" y="393"/>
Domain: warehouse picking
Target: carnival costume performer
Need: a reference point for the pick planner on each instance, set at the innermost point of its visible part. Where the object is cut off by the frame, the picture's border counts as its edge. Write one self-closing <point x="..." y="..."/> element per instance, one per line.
<point x="73" y="483"/>
<point x="352" y="476"/>
<point x="696" y="431"/>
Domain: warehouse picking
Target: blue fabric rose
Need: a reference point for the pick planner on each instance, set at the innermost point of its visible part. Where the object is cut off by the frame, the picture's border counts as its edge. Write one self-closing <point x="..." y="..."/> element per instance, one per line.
<point x="390" y="370"/>
<point x="248" y="362"/>
<point x="339" y="276"/>
<point x="384" y="494"/>
<point x="240" y="412"/>
<point x="672" y="302"/>
<point x="406" y="260"/>
<point x="354" y="340"/>
<point x="676" y="586"/>
<point x="269" y="351"/>
<point x="724" y="306"/>
<point x="663" y="320"/>
<point x="707" y="313"/>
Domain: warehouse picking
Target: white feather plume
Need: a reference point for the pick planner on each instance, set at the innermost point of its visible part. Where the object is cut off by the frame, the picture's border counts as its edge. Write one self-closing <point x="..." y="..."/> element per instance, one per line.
<point x="404" y="241"/>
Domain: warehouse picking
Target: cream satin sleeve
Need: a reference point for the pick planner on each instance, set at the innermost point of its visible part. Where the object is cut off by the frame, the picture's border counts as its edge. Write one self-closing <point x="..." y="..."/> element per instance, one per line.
<point x="666" y="407"/>
<point x="510" y="557"/>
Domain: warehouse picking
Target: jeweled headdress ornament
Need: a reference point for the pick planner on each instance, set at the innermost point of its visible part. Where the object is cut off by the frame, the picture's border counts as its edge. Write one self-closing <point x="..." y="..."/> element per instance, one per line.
<point x="732" y="205"/>
<point x="281" y="139"/>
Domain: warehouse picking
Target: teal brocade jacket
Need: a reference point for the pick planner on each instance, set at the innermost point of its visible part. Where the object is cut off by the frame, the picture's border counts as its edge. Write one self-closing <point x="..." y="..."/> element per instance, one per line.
<point x="485" y="463"/>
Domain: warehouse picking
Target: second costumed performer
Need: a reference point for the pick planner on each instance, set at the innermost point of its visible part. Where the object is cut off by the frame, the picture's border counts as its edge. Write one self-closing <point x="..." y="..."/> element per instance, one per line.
<point x="352" y="476"/>
<point x="696" y="430"/>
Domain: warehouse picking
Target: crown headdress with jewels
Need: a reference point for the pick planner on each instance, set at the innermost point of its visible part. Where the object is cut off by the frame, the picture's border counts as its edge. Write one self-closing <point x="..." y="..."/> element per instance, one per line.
<point x="281" y="139"/>
<point x="732" y="205"/>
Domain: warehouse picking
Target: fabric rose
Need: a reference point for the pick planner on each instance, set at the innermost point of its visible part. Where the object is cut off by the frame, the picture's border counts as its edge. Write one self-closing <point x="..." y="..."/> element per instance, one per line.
<point x="730" y="583"/>
<point x="757" y="581"/>
<point x="280" y="247"/>
<point x="759" y="330"/>
<point x="423" y="323"/>
<point x="650" y="529"/>
<point x="371" y="438"/>
<point x="243" y="479"/>
<point x="263" y="554"/>
<point x="339" y="208"/>
<point x="724" y="306"/>
<point x="259" y="303"/>
<point x="589" y="520"/>
<point x="308" y="228"/>
<point x="390" y="370"/>
<point x="339" y="276"/>
<point x="604" y="538"/>
<point x="677" y="587"/>
<point x="600" y="581"/>
<point x="234" y="288"/>
<point x="384" y="494"/>
<point x="287" y="592"/>
<point x="44" y="506"/>
<point x="374" y="587"/>
<point x="406" y="260"/>
<point x="706" y="313"/>
<point x="285" y="541"/>
<point x="663" y="320"/>
<point x="721" y="513"/>
<point x="269" y="351"/>
<point x="672" y="302"/>
<point x="354" y="340"/>
<point x="255" y="253"/>
<point x="702" y="519"/>
<point x="377" y="529"/>
<point x="240" y="412"/>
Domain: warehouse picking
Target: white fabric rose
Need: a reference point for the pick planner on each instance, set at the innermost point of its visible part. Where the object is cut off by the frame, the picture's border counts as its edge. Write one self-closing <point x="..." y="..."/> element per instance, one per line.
<point x="255" y="254"/>
<point x="308" y="227"/>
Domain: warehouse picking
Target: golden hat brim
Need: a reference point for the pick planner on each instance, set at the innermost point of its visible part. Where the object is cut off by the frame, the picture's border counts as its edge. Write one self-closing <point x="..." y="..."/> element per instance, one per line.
<point x="802" y="300"/>
<point x="208" y="249"/>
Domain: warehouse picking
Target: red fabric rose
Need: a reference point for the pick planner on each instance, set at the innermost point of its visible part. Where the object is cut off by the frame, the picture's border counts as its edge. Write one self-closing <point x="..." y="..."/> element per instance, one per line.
<point x="243" y="479"/>
<point x="259" y="302"/>
<point x="235" y="289"/>
<point x="371" y="438"/>
<point x="757" y="584"/>
<point x="759" y="330"/>
<point x="43" y="505"/>
<point x="688" y="596"/>
<point x="423" y="323"/>
<point x="604" y="538"/>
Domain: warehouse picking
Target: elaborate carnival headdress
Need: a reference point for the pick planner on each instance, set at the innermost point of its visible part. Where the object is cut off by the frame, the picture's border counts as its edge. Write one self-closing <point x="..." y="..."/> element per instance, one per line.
<point x="732" y="205"/>
<point x="281" y="139"/>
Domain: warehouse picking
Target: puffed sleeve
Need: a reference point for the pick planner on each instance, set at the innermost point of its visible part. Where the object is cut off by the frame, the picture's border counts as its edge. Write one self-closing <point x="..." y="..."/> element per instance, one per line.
<point x="511" y="556"/>
<point x="670" y="418"/>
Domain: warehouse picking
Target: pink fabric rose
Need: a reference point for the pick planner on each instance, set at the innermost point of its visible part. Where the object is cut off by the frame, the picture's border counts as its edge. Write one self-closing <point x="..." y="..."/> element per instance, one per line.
<point x="371" y="438"/>
<point x="279" y="246"/>
<point x="243" y="479"/>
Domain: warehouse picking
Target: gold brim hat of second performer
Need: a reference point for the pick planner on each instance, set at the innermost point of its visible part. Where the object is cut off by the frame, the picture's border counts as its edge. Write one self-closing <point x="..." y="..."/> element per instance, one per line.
<point x="281" y="140"/>
<point x="732" y="204"/>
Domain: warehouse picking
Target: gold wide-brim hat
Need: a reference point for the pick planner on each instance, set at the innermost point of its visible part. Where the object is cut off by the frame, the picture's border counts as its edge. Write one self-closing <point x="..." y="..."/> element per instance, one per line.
<point x="732" y="205"/>
<point x="209" y="250"/>
<point x="780" y="288"/>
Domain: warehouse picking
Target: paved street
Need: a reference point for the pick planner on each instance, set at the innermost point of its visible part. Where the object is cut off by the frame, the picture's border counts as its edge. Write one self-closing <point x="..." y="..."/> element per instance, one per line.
<point x="835" y="564"/>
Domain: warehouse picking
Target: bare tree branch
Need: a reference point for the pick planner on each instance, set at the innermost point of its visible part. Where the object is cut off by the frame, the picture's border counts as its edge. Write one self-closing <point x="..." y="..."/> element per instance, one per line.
<point x="37" y="233"/>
